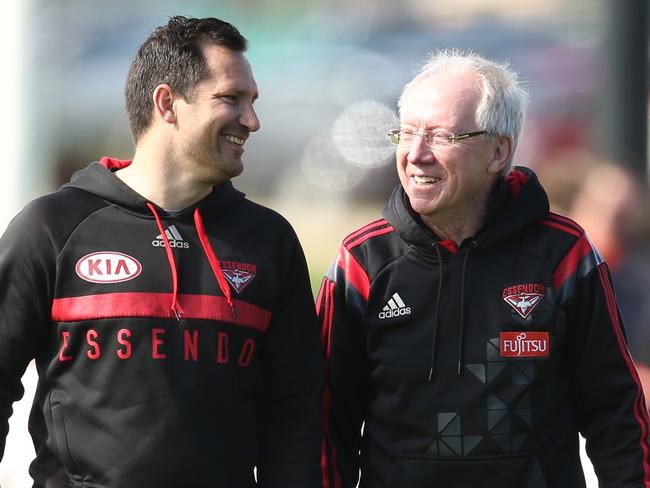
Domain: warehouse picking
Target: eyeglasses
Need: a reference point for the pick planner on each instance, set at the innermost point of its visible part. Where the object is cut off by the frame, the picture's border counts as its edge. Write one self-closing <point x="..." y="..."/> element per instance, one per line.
<point x="405" y="137"/>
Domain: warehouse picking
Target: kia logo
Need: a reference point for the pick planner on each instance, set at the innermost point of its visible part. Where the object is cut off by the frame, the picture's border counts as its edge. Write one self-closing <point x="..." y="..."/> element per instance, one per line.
<point x="107" y="267"/>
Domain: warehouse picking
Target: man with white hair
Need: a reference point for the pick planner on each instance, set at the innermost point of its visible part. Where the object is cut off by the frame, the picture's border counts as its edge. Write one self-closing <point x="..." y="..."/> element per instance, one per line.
<point x="472" y="332"/>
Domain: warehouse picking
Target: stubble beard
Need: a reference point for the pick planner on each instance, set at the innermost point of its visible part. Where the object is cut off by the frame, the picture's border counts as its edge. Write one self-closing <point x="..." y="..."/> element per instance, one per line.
<point x="223" y="168"/>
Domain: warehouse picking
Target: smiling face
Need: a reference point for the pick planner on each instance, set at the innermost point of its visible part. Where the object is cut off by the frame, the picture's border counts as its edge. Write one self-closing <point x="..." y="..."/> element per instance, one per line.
<point x="213" y="126"/>
<point x="450" y="184"/>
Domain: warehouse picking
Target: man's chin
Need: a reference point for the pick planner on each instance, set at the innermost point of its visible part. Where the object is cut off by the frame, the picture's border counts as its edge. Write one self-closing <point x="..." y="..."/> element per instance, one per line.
<point x="424" y="206"/>
<point x="235" y="170"/>
<point x="226" y="170"/>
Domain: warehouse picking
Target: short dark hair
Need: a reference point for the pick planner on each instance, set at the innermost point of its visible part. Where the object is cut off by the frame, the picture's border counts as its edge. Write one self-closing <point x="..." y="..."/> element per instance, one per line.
<point x="172" y="55"/>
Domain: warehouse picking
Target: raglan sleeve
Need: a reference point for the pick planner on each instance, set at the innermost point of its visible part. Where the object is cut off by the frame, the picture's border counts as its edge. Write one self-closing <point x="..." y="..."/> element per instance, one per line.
<point x="610" y="402"/>
<point x="26" y="263"/>
<point x="341" y="301"/>
<point x="291" y="411"/>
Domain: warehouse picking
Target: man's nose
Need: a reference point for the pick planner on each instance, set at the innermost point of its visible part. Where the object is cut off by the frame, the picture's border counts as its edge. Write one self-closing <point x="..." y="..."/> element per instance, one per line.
<point x="420" y="151"/>
<point x="249" y="118"/>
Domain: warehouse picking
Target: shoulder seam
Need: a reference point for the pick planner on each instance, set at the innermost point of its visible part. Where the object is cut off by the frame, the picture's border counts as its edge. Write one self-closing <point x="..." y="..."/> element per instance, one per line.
<point x="568" y="222"/>
<point x="374" y="232"/>
<point x="563" y="224"/>
<point x="387" y="264"/>
<point x="366" y="228"/>
<point x="76" y="227"/>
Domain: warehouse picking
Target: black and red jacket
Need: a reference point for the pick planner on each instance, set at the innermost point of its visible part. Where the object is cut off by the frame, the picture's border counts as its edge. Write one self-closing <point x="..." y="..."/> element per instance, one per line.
<point x="477" y="365"/>
<point x="173" y="349"/>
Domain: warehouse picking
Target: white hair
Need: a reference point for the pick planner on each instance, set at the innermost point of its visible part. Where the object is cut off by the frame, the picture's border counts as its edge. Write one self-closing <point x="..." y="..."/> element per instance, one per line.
<point x="502" y="108"/>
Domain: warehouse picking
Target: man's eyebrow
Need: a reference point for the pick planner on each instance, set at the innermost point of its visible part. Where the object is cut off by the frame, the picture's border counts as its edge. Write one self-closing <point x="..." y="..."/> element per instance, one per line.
<point x="235" y="91"/>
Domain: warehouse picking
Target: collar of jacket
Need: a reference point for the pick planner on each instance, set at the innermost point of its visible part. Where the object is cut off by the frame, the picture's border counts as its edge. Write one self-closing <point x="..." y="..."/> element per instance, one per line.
<point x="99" y="179"/>
<point x="515" y="201"/>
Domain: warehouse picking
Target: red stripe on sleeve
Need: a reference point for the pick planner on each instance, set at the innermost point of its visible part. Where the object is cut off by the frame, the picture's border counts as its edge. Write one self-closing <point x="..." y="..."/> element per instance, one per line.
<point x="326" y="295"/>
<point x="640" y="412"/>
<point x="567" y="221"/>
<point x="114" y="305"/>
<point x="353" y="272"/>
<point x="562" y="227"/>
<point x="365" y="228"/>
<point x="326" y="337"/>
<point x="330" y="320"/>
<point x="570" y="263"/>
<point x="319" y="299"/>
<point x="367" y="236"/>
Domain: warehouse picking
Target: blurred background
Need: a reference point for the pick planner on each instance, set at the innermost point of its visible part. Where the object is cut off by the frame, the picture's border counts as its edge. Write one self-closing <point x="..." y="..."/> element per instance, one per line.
<point x="329" y="73"/>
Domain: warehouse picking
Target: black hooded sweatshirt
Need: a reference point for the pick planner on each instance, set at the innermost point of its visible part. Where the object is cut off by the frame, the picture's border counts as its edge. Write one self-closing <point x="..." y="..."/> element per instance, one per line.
<point x="479" y="364"/>
<point x="173" y="349"/>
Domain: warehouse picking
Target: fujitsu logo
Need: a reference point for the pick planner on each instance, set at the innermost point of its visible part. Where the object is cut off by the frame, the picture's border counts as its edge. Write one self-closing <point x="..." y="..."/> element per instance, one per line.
<point x="524" y="344"/>
<point x="107" y="267"/>
<point x="524" y="298"/>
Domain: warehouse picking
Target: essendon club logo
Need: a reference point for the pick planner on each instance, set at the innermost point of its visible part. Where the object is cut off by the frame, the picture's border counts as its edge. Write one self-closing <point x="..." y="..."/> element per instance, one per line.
<point x="524" y="344"/>
<point x="524" y="298"/>
<point x="239" y="275"/>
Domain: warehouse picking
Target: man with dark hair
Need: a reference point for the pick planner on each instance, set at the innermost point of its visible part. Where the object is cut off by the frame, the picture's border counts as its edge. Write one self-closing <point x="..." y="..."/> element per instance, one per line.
<point x="173" y="55"/>
<point x="171" y="319"/>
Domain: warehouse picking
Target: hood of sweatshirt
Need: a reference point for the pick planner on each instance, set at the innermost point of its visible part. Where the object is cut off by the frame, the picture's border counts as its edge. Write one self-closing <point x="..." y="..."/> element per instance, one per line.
<point x="99" y="179"/>
<point x="516" y="200"/>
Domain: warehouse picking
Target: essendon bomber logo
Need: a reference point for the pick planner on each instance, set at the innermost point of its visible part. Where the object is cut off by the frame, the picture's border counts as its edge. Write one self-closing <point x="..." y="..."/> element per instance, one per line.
<point x="239" y="275"/>
<point x="524" y="298"/>
<point x="107" y="267"/>
<point x="524" y="344"/>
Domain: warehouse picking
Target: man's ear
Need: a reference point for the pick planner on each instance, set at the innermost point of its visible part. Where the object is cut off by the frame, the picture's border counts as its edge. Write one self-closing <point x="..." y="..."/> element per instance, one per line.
<point x="163" y="104"/>
<point x="501" y="155"/>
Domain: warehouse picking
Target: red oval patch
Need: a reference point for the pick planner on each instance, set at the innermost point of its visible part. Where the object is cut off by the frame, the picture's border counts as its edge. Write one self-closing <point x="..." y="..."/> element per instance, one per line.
<point x="107" y="267"/>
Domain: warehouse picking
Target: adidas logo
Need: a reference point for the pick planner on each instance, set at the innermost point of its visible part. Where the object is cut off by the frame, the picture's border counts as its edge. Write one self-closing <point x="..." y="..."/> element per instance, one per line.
<point x="174" y="237"/>
<point x="394" y="308"/>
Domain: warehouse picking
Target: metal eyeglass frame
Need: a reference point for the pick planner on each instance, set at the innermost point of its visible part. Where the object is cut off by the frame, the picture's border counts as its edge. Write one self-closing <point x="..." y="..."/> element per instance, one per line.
<point x="451" y="138"/>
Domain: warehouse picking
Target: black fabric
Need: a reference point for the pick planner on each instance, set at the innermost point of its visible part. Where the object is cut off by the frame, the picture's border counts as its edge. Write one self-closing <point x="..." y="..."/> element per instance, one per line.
<point x="520" y="470"/>
<point x="525" y="307"/>
<point x="138" y="398"/>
